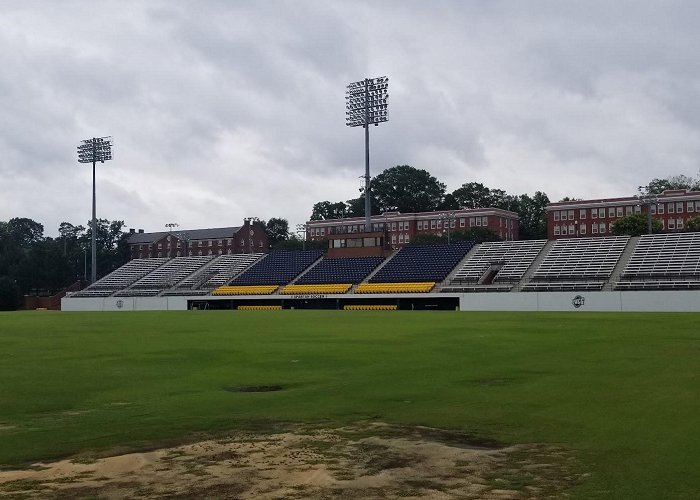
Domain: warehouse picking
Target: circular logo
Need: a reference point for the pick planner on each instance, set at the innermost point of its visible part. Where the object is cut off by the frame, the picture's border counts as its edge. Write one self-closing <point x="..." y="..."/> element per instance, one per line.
<point x="578" y="301"/>
<point x="120" y="304"/>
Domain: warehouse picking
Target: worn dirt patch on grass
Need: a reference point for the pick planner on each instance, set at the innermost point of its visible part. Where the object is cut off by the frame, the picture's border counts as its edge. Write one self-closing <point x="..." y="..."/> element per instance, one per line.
<point x="365" y="460"/>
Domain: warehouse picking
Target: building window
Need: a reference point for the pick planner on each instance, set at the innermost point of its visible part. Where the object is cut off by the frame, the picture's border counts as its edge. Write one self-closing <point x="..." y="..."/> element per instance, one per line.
<point x="323" y="231"/>
<point x="484" y="221"/>
<point x="601" y="227"/>
<point x="582" y="229"/>
<point x="405" y="238"/>
<point x="221" y="251"/>
<point x="582" y="213"/>
<point x="160" y="246"/>
<point x="689" y="206"/>
<point x="628" y="210"/>
<point x="671" y="223"/>
<point x="439" y="223"/>
<point x="393" y="239"/>
<point x="679" y="223"/>
<point x="637" y="209"/>
<point x="228" y="241"/>
<point x="242" y="243"/>
<point x="478" y="221"/>
<point x="401" y="238"/>
<point x="660" y="208"/>
<point x="420" y="225"/>
<point x="594" y="228"/>
<point x="452" y="224"/>
<point x="472" y="223"/>
<point x="557" y="231"/>
<point x="611" y="211"/>
<point x="571" y="215"/>
<point x="619" y="211"/>
<point x="462" y="222"/>
<point x="432" y="223"/>
<point x="594" y="213"/>
<point x="653" y="209"/>
<point x="556" y="215"/>
<point x="697" y="206"/>
<point x="679" y="207"/>
<point x="610" y="226"/>
<point x="260" y="244"/>
<point x="671" y="208"/>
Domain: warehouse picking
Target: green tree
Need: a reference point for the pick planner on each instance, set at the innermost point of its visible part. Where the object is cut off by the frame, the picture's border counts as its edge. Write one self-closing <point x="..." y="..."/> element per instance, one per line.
<point x="693" y="224"/>
<point x="324" y="210"/>
<point x="277" y="230"/>
<point x="25" y="231"/>
<point x="9" y="294"/>
<point x="658" y="186"/>
<point x="407" y="189"/>
<point x="635" y="225"/>
<point x="533" y="217"/>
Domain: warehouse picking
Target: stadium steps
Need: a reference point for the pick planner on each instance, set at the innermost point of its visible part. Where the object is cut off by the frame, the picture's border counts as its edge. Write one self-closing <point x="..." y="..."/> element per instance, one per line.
<point x="314" y="264"/>
<point x="621" y="264"/>
<point x="459" y="266"/>
<point x="378" y="268"/>
<point x="197" y="272"/>
<point x="533" y="267"/>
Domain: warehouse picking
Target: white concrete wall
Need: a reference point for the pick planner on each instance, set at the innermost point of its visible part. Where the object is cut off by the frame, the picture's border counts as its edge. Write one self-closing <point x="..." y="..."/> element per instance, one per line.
<point x="124" y="304"/>
<point x="654" y="301"/>
<point x="670" y="301"/>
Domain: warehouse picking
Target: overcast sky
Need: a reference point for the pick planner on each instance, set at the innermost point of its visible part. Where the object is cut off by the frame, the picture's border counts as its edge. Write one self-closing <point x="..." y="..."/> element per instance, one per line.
<point x="222" y="110"/>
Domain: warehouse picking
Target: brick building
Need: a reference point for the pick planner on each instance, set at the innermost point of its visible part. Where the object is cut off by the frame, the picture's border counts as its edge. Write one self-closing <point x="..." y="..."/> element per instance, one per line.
<point x="401" y="228"/>
<point x="248" y="238"/>
<point x="591" y="218"/>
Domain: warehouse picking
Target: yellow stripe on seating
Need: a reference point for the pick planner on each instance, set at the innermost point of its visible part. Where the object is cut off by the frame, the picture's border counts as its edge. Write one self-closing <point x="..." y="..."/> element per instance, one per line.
<point x="245" y="290"/>
<point x="259" y="308"/>
<point x="315" y="289"/>
<point x="420" y="287"/>
<point x="370" y="307"/>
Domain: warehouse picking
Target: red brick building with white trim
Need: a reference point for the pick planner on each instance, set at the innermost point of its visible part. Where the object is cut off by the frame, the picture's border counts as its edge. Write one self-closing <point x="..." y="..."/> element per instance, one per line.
<point x="592" y="218"/>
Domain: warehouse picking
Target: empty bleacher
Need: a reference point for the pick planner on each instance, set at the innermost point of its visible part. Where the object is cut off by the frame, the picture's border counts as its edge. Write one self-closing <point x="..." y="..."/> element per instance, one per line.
<point x="663" y="262"/>
<point x="222" y="269"/>
<point x="340" y="270"/>
<point x="396" y="287"/>
<point x="316" y="288"/>
<point x="167" y="275"/>
<point x="245" y="290"/>
<point x="495" y="266"/>
<point x="423" y="263"/>
<point x="578" y="264"/>
<point x="121" y="278"/>
<point x="278" y="268"/>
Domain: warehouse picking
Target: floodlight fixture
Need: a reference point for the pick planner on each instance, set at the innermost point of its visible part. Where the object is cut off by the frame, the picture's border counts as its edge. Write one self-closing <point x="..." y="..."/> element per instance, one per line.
<point x="366" y="103"/>
<point x="92" y="151"/>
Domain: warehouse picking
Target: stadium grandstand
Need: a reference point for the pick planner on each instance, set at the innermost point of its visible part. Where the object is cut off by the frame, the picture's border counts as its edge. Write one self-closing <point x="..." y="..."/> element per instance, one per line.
<point x="595" y="273"/>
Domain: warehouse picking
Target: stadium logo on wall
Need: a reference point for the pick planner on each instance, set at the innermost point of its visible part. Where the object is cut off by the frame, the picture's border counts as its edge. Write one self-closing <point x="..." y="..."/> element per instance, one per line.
<point x="120" y="304"/>
<point x="578" y="301"/>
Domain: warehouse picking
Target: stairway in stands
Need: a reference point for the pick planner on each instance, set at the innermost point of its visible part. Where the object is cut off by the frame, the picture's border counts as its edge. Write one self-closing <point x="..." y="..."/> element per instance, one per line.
<point x="533" y="267"/>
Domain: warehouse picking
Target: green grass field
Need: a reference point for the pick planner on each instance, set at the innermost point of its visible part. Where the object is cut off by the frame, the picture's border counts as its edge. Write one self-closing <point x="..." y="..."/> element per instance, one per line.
<point x="621" y="390"/>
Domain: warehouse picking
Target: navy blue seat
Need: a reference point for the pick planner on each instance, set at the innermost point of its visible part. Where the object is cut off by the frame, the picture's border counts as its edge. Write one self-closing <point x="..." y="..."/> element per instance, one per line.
<point x="341" y="270"/>
<point x="278" y="268"/>
<point x="422" y="263"/>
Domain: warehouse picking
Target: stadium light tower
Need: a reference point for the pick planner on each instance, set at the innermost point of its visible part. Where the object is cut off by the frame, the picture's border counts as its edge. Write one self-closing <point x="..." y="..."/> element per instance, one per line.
<point x="366" y="104"/>
<point x="92" y="151"/>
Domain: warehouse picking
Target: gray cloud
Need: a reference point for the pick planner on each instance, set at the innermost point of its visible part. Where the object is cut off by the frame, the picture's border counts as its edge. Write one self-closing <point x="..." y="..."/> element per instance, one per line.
<point x="222" y="110"/>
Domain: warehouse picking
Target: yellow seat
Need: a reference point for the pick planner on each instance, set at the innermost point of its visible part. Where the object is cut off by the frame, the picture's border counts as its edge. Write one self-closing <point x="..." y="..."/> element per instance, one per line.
<point x="259" y="308"/>
<point x="245" y="290"/>
<point x="419" y="287"/>
<point x="316" y="289"/>
<point x="370" y="307"/>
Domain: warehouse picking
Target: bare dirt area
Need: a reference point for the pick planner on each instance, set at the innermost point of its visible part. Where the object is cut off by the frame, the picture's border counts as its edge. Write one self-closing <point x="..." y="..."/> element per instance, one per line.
<point x="368" y="460"/>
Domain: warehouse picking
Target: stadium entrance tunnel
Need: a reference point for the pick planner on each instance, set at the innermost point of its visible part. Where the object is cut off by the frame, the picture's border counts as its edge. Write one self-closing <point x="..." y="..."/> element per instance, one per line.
<point x="438" y="303"/>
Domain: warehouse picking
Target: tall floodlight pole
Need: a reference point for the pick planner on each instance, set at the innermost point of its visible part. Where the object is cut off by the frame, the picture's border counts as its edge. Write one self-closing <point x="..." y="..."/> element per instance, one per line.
<point x="92" y="151"/>
<point x="366" y="104"/>
<point x="648" y="198"/>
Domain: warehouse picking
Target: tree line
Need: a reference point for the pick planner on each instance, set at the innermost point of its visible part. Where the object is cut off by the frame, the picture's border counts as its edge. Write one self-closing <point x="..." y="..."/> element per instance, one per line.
<point x="407" y="189"/>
